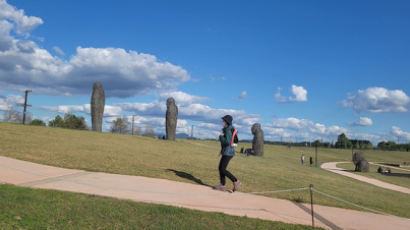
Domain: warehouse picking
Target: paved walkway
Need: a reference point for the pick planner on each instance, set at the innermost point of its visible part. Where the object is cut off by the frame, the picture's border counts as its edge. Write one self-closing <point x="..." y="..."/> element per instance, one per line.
<point x="159" y="191"/>
<point x="331" y="166"/>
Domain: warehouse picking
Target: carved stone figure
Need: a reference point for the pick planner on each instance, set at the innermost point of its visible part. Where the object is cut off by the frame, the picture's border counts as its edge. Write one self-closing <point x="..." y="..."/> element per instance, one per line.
<point x="97" y="107"/>
<point x="361" y="164"/>
<point x="258" y="139"/>
<point x="171" y="119"/>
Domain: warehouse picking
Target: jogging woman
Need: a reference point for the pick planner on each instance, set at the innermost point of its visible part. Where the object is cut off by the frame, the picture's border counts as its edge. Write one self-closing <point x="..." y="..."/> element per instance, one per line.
<point x="227" y="152"/>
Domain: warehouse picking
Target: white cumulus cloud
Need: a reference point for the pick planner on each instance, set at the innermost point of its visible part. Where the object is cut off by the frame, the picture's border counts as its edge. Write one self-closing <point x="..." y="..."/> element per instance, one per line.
<point x="295" y="129"/>
<point x="154" y="108"/>
<point x="363" y="121"/>
<point x="397" y="132"/>
<point x="209" y="126"/>
<point x="22" y="24"/>
<point x="305" y="127"/>
<point x="299" y="95"/>
<point x="292" y="123"/>
<point x="195" y="112"/>
<point x="108" y="109"/>
<point x="123" y="73"/>
<point x="10" y="101"/>
<point x="58" y="50"/>
<point x="243" y="95"/>
<point x="378" y="99"/>
<point x="182" y="98"/>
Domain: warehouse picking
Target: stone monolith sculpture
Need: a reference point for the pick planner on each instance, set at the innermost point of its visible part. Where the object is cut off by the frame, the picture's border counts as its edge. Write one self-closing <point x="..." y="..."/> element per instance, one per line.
<point x="97" y="107"/>
<point x="258" y="139"/>
<point x="171" y="118"/>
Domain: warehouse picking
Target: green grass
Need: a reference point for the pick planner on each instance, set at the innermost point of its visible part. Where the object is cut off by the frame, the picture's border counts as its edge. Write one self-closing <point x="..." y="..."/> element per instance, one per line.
<point x="136" y="155"/>
<point x="401" y="181"/>
<point x="24" y="208"/>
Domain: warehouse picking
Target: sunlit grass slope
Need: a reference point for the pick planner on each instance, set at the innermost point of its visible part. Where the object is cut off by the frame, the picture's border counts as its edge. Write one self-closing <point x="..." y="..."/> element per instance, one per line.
<point x="196" y="162"/>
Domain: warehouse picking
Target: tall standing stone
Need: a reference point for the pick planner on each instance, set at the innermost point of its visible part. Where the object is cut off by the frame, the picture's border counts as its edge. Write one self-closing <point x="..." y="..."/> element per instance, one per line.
<point x="258" y="139"/>
<point x="97" y="106"/>
<point x="171" y="118"/>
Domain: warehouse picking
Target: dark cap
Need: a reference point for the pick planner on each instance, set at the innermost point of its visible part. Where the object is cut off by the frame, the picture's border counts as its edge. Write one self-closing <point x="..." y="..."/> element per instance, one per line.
<point x="228" y="119"/>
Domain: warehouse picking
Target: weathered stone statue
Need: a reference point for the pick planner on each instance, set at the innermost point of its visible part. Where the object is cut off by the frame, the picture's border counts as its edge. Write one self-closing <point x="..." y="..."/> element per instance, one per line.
<point x="258" y="139"/>
<point x="97" y="107"/>
<point x="361" y="164"/>
<point x="171" y="118"/>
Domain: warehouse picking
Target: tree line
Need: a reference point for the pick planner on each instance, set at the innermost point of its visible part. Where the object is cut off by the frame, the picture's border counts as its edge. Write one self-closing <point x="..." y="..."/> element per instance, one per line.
<point x="345" y="143"/>
<point x="123" y="126"/>
<point x="71" y="121"/>
<point x="391" y="145"/>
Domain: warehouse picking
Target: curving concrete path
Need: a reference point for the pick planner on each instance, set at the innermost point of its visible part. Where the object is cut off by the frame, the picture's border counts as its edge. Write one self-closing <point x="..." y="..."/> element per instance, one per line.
<point x="331" y="166"/>
<point x="160" y="191"/>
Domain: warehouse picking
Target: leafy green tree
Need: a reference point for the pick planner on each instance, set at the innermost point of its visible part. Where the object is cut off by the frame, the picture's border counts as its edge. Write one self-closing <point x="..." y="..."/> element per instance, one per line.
<point x="366" y="144"/>
<point x="343" y="142"/>
<point x="393" y="146"/>
<point x="71" y="121"/>
<point x="361" y="144"/>
<point x="13" y="116"/>
<point x="387" y="145"/>
<point x="38" y="122"/>
<point x="120" y="125"/>
<point x="57" y="122"/>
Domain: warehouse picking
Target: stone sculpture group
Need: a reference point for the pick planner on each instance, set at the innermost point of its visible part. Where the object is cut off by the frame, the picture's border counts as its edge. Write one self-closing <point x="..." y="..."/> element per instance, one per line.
<point x="171" y="119"/>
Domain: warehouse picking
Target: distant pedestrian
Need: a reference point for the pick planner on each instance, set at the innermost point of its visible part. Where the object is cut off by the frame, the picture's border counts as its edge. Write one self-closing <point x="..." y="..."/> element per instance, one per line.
<point x="302" y="159"/>
<point x="311" y="161"/>
<point x="227" y="152"/>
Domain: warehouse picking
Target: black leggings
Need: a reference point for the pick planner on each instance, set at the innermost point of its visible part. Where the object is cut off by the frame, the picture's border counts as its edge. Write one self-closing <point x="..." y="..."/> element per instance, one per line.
<point x="223" y="164"/>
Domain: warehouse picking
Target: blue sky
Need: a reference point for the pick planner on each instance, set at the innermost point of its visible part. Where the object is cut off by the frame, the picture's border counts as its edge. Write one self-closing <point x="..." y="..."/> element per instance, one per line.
<point x="303" y="69"/>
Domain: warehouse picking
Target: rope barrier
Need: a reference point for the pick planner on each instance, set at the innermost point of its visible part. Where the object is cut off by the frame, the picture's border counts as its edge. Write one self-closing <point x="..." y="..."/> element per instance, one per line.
<point x="350" y="203"/>
<point x="279" y="191"/>
<point x="327" y="195"/>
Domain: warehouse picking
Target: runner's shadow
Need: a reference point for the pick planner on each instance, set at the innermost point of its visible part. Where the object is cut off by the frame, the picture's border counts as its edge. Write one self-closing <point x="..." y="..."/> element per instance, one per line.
<point x="188" y="176"/>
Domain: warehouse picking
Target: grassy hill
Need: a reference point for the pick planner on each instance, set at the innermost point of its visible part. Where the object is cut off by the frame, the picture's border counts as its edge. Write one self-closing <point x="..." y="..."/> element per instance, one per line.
<point x="24" y="208"/>
<point x="195" y="161"/>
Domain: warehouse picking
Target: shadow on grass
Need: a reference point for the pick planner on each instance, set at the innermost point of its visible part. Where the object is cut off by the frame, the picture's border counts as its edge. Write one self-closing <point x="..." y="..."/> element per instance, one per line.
<point x="397" y="174"/>
<point x="349" y="170"/>
<point x="384" y="174"/>
<point x="318" y="217"/>
<point x="188" y="176"/>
